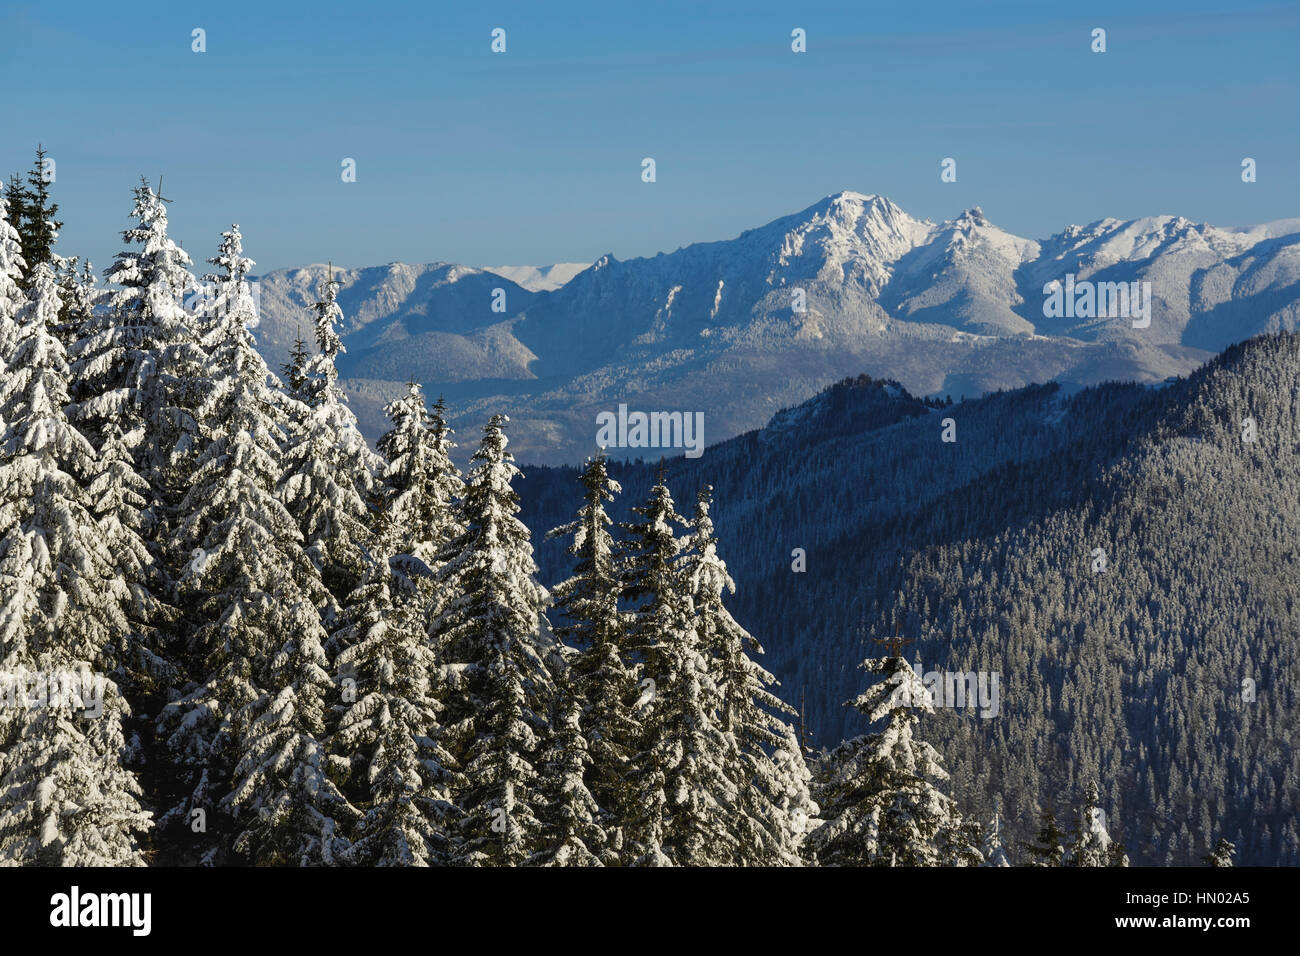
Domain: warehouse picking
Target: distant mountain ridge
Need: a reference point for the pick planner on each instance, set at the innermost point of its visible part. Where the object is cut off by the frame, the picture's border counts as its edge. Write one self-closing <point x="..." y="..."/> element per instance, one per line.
<point x="955" y="307"/>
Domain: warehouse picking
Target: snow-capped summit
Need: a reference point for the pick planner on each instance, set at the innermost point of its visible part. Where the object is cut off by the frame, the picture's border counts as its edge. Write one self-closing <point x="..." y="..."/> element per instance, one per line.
<point x="740" y="327"/>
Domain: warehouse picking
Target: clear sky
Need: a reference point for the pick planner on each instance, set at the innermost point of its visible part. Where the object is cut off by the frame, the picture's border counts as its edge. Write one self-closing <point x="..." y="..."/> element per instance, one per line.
<point x="534" y="156"/>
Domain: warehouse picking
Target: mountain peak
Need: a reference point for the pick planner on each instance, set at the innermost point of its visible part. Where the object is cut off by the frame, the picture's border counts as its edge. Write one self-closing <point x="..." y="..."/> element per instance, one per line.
<point x="857" y="204"/>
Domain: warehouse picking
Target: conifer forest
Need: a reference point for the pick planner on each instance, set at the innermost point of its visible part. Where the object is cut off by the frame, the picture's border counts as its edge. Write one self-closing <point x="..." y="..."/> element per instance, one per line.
<point x="718" y="525"/>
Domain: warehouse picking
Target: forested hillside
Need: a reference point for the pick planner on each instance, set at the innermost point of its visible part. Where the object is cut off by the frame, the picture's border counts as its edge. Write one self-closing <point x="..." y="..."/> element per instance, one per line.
<point x="983" y="550"/>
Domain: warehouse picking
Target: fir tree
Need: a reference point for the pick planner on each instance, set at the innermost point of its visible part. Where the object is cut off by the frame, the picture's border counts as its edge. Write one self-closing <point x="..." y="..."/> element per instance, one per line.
<point x="683" y="795"/>
<point x="11" y="275"/>
<point x="994" y="854"/>
<point x="1221" y="855"/>
<point x="116" y="496"/>
<point x="1092" y="844"/>
<point x="1048" y="848"/>
<point x="287" y="809"/>
<point x="16" y="201"/>
<point x="79" y="295"/>
<point x="603" y="673"/>
<point x="141" y="363"/>
<point x="958" y="843"/>
<point x="420" y="483"/>
<point x="879" y="799"/>
<point x="574" y="832"/>
<point x="494" y="641"/>
<point x="794" y="795"/>
<point x="66" y="797"/>
<point x="766" y="828"/>
<point x="245" y="585"/>
<point x="329" y="469"/>
<point x="391" y="731"/>
<point x="295" y="370"/>
<point x="39" y="228"/>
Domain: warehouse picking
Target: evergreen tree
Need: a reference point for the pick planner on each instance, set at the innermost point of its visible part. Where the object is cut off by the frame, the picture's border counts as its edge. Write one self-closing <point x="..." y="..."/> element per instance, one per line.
<point x="11" y="275"/>
<point x="16" y="202"/>
<point x="684" y="798"/>
<point x="994" y="854"/>
<point x="420" y="482"/>
<point x="66" y="797"/>
<point x="122" y="501"/>
<point x="295" y="370"/>
<point x="39" y="228"/>
<point x="116" y="496"/>
<point x="1092" y="844"/>
<point x="1048" y="849"/>
<point x="603" y="673"/>
<point x="287" y="808"/>
<point x="879" y="801"/>
<point x="494" y="641"/>
<point x="391" y="732"/>
<point x="573" y="828"/>
<point x="245" y="586"/>
<point x="79" y="295"/>
<point x="958" y="842"/>
<point x="794" y="778"/>
<point x="765" y="830"/>
<point x="1221" y="855"/>
<point x="141" y="363"/>
<point x="329" y="469"/>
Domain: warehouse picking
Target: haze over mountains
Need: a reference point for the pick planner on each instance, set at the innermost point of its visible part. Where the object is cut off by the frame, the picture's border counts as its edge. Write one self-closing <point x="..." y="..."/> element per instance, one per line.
<point x="951" y="308"/>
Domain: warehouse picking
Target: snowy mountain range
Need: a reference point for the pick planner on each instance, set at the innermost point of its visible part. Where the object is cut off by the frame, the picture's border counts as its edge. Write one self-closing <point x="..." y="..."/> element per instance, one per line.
<point x="740" y="328"/>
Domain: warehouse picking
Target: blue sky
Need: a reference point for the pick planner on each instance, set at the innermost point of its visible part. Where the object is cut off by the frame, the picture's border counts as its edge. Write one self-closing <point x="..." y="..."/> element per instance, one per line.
<point x="534" y="156"/>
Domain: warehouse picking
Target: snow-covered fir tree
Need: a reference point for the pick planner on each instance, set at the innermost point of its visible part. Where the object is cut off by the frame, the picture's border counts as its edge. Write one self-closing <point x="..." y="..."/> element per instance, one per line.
<point x="685" y="801"/>
<point x="603" y="672"/>
<point x="1221" y="855"/>
<point x="389" y="734"/>
<point x="959" y="843"/>
<point x="14" y="196"/>
<point x="66" y="799"/>
<point x="880" y="802"/>
<point x="287" y="808"/>
<point x="1092" y="844"/>
<point x="993" y="852"/>
<point x="80" y="296"/>
<point x="246" y="583"/>
<point x="766" y="821"/>
<point x="573" y="826"/>
<point x="493" y="639"/>
<point x="329" y="479"/>
<point x="66" y="796"/>
<point x="421" y="485"/>
<point x="116" y="495"/>
<point x="11" y="293"/>
<point x="793" y="793"/>
<point x="143" y="363"/>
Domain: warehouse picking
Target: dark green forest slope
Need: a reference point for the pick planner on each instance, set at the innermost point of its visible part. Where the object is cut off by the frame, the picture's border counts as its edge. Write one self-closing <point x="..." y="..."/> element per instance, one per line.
<point x="1170" y="676"/>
